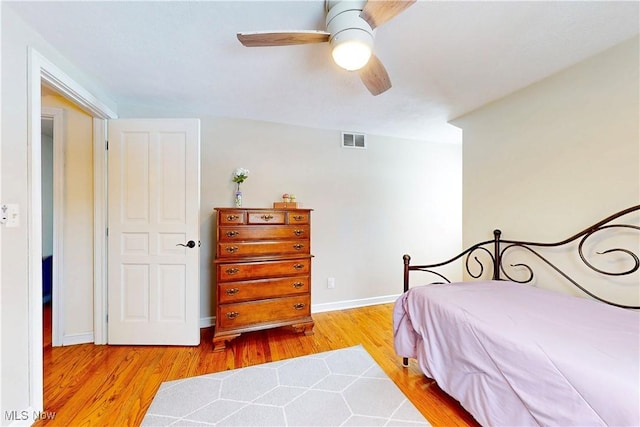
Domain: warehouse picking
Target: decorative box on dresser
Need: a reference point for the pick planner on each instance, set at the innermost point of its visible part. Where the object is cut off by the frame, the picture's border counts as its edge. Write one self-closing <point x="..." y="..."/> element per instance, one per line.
<point x="263" y="271"/>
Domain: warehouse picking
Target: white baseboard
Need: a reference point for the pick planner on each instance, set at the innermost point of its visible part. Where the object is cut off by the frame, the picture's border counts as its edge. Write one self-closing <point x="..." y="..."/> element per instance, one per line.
<point x="354" y="303"/>
<point x="73" y="339"/>
<point x="206" y="322"/>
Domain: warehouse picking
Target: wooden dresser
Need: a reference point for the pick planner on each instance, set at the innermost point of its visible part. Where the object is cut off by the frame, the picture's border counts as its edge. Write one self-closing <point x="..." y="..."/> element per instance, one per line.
<point x="263" y="271"/>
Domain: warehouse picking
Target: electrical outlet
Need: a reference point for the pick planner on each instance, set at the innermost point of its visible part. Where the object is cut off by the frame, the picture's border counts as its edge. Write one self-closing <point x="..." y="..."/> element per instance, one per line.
<point x="331" y="282"/>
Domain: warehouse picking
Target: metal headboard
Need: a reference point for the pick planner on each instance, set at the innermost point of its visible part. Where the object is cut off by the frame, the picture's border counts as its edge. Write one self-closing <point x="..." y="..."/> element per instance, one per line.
<point x="497" y="248"/>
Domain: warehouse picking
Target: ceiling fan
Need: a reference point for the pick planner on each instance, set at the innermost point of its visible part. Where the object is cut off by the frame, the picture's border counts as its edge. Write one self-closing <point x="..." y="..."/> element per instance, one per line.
<point x="350" y="25"/>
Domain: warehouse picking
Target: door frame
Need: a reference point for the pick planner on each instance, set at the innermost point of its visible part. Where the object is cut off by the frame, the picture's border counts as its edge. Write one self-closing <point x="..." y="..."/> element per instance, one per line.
<point x="41" y="71"/>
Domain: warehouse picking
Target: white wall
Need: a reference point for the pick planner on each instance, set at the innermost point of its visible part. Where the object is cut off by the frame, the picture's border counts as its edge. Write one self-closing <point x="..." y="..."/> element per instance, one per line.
<point x="557" y="156"/>
<point x="77" y="289"/>
<point x="370" y="206"/>
<point x="15" y="322"/>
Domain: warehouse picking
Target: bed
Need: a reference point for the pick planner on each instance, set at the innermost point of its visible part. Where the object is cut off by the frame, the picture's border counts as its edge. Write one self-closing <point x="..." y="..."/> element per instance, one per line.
<point x="514" y="353"/>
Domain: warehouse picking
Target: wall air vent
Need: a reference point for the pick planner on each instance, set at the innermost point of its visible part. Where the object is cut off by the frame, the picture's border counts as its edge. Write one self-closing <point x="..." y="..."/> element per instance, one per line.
<point x="353" y="140"/>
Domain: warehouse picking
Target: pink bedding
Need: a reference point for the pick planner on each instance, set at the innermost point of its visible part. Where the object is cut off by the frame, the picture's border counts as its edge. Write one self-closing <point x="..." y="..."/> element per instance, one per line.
<point x="515" y="355"/>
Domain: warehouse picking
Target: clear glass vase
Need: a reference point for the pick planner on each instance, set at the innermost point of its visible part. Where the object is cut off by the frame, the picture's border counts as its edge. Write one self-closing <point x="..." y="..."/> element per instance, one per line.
<point x="238" y="199"/>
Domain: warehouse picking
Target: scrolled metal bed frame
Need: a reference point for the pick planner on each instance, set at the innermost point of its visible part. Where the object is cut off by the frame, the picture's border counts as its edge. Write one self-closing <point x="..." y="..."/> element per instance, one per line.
<point x="499" y="247"/>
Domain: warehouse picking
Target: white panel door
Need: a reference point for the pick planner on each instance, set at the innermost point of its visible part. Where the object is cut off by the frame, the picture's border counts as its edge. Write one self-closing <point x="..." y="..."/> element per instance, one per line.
<point x="153" y="255"/>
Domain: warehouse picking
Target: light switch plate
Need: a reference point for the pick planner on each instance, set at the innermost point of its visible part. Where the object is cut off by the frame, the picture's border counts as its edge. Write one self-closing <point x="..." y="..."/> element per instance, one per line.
<point x="10" y="215"/>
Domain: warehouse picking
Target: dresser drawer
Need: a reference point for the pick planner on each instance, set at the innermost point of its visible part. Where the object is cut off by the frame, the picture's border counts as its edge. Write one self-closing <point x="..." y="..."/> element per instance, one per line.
<point x="265" y="232"/>
<point x="243" y="314"/>
<point x="265" y="217"/>
<point x="228" y="272"/>
<point x="262" y="289"/>
<point x="242" y="249"/>
<point x="294" y="217"/>
<point x="231" y="217"/>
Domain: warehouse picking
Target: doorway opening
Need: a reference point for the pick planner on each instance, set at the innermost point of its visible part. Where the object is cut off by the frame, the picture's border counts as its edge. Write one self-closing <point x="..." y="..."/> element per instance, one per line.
<point x="46" y="136"/>
<point x="52" y="208"/>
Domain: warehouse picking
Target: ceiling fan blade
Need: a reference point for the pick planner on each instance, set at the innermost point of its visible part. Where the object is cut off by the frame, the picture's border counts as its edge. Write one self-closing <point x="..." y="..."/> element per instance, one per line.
<point x="282" y="38"/>
<point x="377" y="12"/>
<point x="375" y="77"/>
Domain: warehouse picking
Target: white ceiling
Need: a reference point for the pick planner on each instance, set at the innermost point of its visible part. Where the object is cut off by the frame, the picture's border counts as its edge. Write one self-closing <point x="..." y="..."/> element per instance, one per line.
<point x="444" y="58"/>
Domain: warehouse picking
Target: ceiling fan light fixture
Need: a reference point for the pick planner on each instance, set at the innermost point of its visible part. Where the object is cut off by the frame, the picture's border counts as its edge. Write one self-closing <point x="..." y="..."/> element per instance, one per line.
<point x="351" y="36"/>
<point x="350" y="32"/>
<point x="351" y="54"/>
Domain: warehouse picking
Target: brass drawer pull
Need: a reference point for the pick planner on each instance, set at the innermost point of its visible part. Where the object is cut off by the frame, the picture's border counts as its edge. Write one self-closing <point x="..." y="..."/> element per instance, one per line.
<point x="298" y="246"/>
<point x="232" y="291"/>
<point x="231" y="249"/>
<point x="298" y="266"/>
<point x="298" y="232"/>
<point x="232" y="270"/>
<point x="297" y="285"/>
<point x="232" y="315"/>
<point x="298" y="217"/>
<point x="299" y="305"/>
<point x="232" y="233"/>
<point x="267" y="217"/>
<point x="232" y="217"/>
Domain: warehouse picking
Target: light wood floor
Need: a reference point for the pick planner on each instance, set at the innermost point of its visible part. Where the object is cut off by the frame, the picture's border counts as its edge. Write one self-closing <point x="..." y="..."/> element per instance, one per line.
<point x="89" y="385"/>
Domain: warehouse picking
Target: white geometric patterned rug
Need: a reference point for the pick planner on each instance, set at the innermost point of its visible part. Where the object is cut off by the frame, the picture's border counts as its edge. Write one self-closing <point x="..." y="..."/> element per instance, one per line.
<point x="336" y="388"/>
